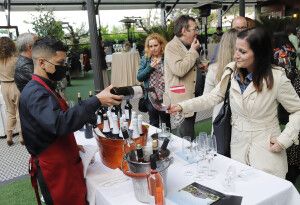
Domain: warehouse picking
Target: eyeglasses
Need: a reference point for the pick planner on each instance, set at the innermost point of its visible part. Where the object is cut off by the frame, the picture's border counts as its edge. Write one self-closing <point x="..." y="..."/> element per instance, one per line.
<point x="194" y="29"/>
<point x="62" y="64"/>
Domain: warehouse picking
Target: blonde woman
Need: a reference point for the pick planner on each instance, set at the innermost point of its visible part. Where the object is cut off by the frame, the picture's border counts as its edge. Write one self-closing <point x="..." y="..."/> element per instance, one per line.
<point x="9" y="89"/>
<point x="215" y="70"/>
<point x="151" y="72"/>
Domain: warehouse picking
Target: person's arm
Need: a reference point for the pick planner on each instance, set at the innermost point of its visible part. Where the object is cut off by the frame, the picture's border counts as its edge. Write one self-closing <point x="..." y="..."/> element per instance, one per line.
<point x="208" y="100"/>
<point x="44" y="107"/>
<point x="179" y="65"/>
<point x="289" y="99"/>
<point x="144" y="71"/>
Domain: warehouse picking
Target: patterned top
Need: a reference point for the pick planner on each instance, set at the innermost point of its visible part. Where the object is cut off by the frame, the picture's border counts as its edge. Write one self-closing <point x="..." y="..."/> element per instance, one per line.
<point x="156" y="79"/>
<point x="285" y="57"/>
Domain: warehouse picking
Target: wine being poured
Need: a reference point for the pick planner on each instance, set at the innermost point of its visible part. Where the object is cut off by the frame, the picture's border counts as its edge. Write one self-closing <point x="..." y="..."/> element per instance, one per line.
<point x="161" y="101"/>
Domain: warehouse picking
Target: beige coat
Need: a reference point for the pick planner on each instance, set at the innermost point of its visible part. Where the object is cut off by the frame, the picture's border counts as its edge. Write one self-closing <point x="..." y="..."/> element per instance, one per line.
<point x="180" y="69"/>
<point x="254" y="119"/>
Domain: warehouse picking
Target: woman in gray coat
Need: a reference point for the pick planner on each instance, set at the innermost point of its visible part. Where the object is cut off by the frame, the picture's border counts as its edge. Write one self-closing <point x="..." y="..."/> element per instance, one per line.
<point x="256" y="89"/>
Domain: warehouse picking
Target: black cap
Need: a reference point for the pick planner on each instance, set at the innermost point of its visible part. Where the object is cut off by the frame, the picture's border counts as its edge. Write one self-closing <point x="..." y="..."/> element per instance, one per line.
<point x="124" y="133"/>
<point x="165" y="144"/>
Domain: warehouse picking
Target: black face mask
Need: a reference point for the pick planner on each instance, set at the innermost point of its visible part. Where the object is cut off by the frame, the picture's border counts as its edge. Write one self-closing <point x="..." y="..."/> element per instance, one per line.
<point x="59" y="73"/>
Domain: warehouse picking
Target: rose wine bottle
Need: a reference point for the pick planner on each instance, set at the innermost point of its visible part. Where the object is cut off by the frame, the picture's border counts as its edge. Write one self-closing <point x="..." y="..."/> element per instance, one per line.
<point x="155" y="182"/>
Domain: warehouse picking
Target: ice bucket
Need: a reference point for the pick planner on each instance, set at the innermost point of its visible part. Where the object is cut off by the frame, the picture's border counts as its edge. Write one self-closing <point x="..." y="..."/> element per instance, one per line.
<point x="139" y="172"/>
<point x="112" y="151"/>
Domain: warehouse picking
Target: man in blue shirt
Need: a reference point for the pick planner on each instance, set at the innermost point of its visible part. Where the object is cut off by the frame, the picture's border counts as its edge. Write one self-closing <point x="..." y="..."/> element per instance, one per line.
<point x="48" y="125"/>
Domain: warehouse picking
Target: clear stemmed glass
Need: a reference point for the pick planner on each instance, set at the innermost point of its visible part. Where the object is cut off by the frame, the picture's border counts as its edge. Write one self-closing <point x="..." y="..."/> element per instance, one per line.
<point x="230" y="176"/>
<point x="211" y="152"/>
<point x="188" y="153"/>
<point x="202" y="167"/>
<point x="161" y="101"/>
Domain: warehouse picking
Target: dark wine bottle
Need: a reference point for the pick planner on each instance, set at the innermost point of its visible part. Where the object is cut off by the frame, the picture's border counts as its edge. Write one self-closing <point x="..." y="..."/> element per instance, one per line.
<point x="131" y="92"/>
<point x="106" y="129"/>
<point x="88" y="132"/>
<point x="140" y="153"/>
<point x="114" y="110"/>
<point x="128" y="108"/>
<point x="79" y="102"/>
<point x="164" y="152"/>
<point x="90" y="93"/>
<point x="79" y="98"/>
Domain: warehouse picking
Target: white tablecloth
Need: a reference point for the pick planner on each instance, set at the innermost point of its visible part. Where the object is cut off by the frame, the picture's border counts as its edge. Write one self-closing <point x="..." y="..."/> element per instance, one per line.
<point x="256" y="188"/>
<point x="124" y="67"/>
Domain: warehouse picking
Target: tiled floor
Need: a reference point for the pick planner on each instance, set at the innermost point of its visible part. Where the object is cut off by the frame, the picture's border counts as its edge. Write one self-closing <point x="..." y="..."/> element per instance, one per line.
<point x="14" y="159"/>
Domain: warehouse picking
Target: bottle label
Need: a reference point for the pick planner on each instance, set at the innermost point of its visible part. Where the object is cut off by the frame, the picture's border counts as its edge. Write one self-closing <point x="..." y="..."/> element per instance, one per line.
<point x="138" y="92"/>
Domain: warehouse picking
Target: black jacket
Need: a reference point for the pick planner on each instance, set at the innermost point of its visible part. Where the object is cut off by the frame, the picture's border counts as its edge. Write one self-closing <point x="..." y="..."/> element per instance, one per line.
<point x="23" y="72"/>
<point x="42" y="119"/>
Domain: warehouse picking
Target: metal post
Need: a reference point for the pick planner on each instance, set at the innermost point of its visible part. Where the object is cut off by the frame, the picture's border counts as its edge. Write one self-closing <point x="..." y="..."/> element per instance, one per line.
<point x="204" y="20"/>
<point x="242" y="8"/>
<point x="8" y="13"/>
<point x="95" y="47"/>
<point x="163" y="15"/>
<point x="219" y="13"/>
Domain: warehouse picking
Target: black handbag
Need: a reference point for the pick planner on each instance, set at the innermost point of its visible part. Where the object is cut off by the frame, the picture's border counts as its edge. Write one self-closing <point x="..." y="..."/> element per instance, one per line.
<point x="222" y="126"/>
<point x="143" y="105"/>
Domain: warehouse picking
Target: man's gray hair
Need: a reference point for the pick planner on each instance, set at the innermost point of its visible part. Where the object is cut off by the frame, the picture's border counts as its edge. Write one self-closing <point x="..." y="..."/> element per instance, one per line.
<point x="24" y="41"/>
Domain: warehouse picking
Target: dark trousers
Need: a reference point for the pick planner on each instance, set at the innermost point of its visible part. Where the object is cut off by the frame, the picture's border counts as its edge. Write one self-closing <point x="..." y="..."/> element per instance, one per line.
<point x="293" y="173"/>
<point x="187" y="127"/>
<point x="155" y="115"/>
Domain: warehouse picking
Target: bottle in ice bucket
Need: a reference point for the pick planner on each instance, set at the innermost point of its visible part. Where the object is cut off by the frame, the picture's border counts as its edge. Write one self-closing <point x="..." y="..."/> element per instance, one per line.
<point x="164" y="152"/>
<point x="140" y="153"/>
<point x="128" y="108"/>
<point x="155" y="147"/>
<point x="115" y="127"/>
<point x="155" y="183"/>
<point x="131" y="92"/>
<point x="106" y="129"/>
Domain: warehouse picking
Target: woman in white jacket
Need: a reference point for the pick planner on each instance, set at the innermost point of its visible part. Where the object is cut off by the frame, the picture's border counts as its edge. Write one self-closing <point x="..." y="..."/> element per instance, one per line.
<point x="256" y="90"/>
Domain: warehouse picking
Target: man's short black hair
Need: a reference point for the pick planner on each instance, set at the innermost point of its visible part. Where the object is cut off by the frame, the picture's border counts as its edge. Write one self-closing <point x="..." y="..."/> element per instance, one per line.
<point x="180" y="23"/>
<point x="50" y="44"/>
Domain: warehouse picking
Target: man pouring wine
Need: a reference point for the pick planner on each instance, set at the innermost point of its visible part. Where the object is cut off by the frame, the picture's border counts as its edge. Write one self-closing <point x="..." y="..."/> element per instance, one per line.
<point x="48" y="125"/>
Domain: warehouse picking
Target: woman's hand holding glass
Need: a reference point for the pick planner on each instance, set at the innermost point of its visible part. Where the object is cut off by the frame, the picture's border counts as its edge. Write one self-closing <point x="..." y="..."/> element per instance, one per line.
<point x="161" y="101"/>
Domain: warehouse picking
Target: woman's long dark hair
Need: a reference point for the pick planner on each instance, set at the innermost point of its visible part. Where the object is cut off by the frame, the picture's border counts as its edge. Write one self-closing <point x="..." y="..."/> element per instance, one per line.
<point x="260" y="43"/>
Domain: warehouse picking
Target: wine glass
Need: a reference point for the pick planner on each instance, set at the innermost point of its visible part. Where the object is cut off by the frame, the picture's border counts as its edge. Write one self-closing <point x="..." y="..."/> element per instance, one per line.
<point x="230" y="176"/>
<point x="161" y="101"/>
<point x="187" y="151"/>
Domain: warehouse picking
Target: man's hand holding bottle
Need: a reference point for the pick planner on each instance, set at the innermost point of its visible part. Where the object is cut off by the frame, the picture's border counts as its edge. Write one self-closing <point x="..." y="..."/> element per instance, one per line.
<point x="107" y="98"/>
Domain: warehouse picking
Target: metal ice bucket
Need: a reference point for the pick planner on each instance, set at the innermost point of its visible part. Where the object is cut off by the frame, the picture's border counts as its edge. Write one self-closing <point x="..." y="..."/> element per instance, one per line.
<point x="139" y="172"/>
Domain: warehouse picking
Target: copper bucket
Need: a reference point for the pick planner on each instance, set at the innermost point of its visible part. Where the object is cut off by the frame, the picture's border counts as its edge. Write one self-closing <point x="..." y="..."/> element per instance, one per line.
<point x="112" y="151"/>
